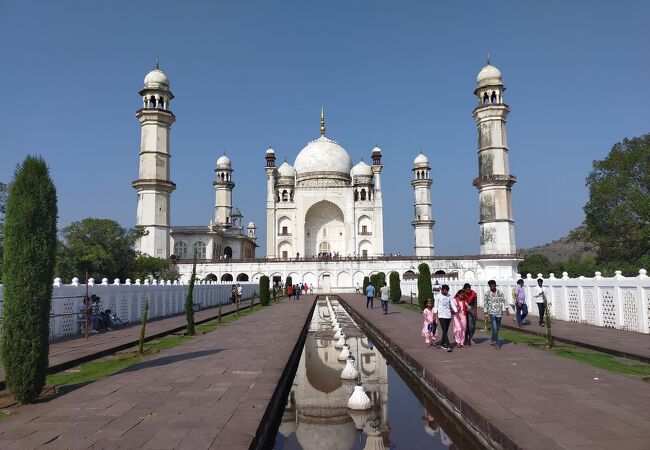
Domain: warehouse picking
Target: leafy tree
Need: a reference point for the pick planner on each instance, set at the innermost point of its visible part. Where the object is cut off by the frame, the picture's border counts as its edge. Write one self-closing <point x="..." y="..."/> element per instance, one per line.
<point x="189" y="301"/>
<point x="381" y="279"/>
<point x="425" y="290"/>
<point x="618" y="210"/>
<point x="100" y="247"/>
<point x="148" y="267"/>
<point x="535" y="263"/>
<point x="30" y="252"/>
<point x="366" y="282"/>
<point x="265" y="294"/>
<point x="395" y="289"/>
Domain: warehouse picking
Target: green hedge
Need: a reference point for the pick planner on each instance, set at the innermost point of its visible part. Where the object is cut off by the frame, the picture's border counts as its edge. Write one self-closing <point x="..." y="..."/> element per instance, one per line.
<point x="425" y="291"/>
<point x="265" y="294"/>
<point x="395" y="289"/>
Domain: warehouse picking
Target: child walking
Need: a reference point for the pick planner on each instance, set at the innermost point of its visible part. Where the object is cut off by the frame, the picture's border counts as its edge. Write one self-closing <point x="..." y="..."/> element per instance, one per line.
<point x="429" y="326"/>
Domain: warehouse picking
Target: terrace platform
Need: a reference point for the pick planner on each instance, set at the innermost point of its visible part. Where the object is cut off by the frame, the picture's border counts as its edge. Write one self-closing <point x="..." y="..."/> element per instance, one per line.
<point x="518" y="397"/>
<point x="209" y="393"/>
<point x="70" y="352"/>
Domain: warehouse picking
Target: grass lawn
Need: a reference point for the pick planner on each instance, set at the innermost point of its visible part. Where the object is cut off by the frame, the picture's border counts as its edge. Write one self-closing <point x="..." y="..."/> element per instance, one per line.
<point x="597" y="359"/>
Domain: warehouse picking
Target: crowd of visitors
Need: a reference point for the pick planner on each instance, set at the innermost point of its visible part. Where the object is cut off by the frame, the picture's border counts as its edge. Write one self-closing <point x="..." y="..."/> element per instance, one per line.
<point x="460" y="312"/>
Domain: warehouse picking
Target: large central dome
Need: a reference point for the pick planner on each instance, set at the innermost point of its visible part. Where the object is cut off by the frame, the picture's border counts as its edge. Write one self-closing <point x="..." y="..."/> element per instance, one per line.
<point x="323" y="158"/>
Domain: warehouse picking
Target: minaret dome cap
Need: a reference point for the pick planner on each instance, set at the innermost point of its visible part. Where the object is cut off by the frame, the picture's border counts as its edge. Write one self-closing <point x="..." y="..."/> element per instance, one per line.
<point x="223" y="162"/>
<point x="420" y="159"/>
<point x="489" y="76"/>
<point x="156" y="79"/>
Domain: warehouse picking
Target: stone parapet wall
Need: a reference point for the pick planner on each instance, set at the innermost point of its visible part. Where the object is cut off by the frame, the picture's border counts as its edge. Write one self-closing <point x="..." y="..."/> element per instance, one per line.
<point x="617" y="302"/>
<point x="127" y="300"/>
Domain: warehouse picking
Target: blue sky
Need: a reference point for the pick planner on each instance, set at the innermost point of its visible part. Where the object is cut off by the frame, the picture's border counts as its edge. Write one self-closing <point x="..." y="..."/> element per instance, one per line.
<point x="247" y="75"/>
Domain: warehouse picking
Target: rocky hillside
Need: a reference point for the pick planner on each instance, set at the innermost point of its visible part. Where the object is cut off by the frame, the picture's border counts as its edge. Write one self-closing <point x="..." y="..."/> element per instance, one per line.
<point x="565" y="247"/>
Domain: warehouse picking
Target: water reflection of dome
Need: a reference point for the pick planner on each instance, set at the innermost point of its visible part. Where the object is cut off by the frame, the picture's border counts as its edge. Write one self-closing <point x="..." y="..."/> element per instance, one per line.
<point x="287" y="428"/>
<point x="321" y="376"/>
<point x="331" y="437"/>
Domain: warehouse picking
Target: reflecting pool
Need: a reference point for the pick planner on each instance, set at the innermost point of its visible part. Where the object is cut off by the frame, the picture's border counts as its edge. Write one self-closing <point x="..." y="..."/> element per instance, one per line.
<point x="316" y="415"/>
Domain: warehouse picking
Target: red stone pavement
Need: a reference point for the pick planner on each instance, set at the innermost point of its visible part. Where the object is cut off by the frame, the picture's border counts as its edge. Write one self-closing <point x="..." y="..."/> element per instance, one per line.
<point x="520" y="396"/>
<point x="69" y="352"/>
<point x="209" y="393"/>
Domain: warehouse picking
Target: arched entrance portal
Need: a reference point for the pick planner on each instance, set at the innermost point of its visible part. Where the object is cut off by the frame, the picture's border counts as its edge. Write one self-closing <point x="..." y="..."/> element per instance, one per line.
<point x="227" y="252"/>
<point x="242" y="277"/>
<point x="226" y="277"/>
<point x="211" y="277"/>
<point x="324" y="229"/>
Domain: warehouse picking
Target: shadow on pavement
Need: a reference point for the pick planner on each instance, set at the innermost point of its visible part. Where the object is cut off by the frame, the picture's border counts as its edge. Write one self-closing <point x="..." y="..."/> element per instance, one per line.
<point x="169" y="360"/>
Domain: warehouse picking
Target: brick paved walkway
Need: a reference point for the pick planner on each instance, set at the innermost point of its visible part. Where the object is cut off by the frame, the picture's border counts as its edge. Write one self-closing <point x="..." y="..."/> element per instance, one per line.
<point x="521" y="396"/>
<point x="209" y="393"/>
<point x="70" y="352"/>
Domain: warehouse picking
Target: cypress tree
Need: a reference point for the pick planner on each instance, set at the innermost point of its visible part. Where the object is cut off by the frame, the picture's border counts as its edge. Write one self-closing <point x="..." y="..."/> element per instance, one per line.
<point x="366" y="282"/>
<point x="264" y="290"/>
<point x="29" y="258"/>
<point x="425" y="291"/>
<point x="288" y="282"/>
<point x="373" y="280"/>
<point x="381" y="279"/>
<point x="189" y="302"/>
<point x="395" y="289"/>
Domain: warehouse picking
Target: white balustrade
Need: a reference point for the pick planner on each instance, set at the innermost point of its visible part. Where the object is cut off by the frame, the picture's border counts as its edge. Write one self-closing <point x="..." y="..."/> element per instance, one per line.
<point x="127" y="300"/>
<point x="614" y="302"/>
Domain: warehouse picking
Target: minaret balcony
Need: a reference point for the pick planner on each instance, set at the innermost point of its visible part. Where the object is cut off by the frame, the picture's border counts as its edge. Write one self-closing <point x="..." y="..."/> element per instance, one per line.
<point x="495" y="180"/>
<point x="152" y="183"/>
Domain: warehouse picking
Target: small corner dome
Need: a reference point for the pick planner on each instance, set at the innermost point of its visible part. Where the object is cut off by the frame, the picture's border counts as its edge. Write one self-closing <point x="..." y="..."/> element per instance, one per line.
<point x="376" y="150"/>
<point x="286" y="170"/>
<point x="488" y="72"/>
<point x="155" y="79"/>
<point x="270" y="151"/>
<point x="223" y="161"/>
<point x="251" y="225"/>
<point x="361" y="169"/>
<point x="421" y="159"/>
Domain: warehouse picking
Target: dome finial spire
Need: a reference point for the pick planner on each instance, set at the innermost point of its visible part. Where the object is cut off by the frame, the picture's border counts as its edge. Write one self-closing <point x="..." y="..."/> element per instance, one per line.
<point x="157" y="63"/>
<point x="488" y="59"/>
<point x="322" y="121"/>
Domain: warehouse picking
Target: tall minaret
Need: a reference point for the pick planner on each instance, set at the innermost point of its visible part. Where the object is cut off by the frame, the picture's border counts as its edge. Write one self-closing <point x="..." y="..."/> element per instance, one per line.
<point x="378" y="221"/>
<point x="494" y="181"/>
<point x="153" y="184"/>
<point x="223" y="186"/>
<point x="423" y="221"/>
<point x="270" y="203"/>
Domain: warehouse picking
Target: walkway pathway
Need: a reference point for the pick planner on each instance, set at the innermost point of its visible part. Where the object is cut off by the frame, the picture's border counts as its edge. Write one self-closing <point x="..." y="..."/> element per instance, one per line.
<point x="209" y="393"/>
<point x="519" y="396"/>
<point x="71" y="352"/>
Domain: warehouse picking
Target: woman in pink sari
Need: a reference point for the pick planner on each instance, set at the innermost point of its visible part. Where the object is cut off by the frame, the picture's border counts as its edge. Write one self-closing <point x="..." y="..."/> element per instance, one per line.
<point x="459" y="318"/>
<point x="429" y="326"/>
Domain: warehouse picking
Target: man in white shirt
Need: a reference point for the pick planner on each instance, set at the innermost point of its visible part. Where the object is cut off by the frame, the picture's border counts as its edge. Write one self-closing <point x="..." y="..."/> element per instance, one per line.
<point x="539" y="294"/>
<point x="385" y="296"/>
<point x="443" y="308"/>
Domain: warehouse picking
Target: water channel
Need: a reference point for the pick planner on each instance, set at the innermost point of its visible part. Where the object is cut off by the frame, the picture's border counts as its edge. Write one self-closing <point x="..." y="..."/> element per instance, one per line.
<point x="316" y="415"/>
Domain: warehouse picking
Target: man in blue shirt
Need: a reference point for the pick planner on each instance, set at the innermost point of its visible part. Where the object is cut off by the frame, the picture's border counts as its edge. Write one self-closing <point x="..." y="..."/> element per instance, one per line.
<point x="370" y="295"/>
